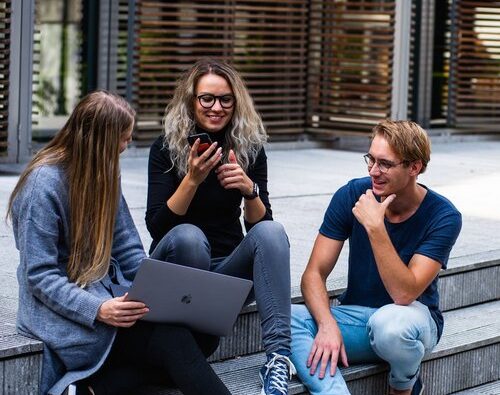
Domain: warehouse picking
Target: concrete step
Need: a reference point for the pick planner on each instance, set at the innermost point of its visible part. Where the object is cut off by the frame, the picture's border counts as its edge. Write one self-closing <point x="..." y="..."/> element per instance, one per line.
<point x="468" y="355"/>
<point x="492" y="388"/>
<point x="468" y="280"/>
<point x="20" y="359"/>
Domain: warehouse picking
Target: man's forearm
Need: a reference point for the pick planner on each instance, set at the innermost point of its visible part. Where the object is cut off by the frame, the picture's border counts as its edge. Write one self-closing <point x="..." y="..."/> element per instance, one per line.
<point x="316" y="298"/>
<point x="398" y="279"/>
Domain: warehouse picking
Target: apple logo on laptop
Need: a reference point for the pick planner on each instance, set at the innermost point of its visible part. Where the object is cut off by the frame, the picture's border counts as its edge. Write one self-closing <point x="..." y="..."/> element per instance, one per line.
<point x="186" y="299"/>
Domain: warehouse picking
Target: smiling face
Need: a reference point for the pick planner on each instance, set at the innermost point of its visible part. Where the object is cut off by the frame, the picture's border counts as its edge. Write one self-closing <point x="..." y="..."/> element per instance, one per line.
<point x="212" y="119"/>
<point x="397" y="178"/>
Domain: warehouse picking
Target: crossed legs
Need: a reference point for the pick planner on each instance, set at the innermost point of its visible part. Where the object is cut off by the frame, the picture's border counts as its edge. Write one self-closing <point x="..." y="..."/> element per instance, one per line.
<point x="263" y="256"/>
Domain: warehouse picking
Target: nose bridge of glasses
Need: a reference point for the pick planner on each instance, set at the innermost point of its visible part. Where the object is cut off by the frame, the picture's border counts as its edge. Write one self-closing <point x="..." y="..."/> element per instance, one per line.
<point x="217" y="102"/>
<point x="371" y="162"/>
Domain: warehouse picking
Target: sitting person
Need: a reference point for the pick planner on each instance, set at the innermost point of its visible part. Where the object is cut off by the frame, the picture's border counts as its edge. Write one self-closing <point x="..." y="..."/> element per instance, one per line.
<point x="76" y="237"/>
<point x="194" y="199"/>
<point x="400" y="236"/>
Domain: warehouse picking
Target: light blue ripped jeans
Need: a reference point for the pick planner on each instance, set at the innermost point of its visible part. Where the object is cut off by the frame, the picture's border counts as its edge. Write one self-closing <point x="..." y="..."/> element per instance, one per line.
<point x="399" y="335"/>
<point x="263" y="256"/>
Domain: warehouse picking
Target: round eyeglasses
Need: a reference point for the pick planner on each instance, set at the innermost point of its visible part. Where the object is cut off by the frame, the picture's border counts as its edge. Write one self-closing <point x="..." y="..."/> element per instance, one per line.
<point x="207" y="100"/>
<point x="383" y="165"/>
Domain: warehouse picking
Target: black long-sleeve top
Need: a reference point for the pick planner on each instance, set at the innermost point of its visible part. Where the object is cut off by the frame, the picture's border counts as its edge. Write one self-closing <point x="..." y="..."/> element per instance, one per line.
<point x="215" y="210"/>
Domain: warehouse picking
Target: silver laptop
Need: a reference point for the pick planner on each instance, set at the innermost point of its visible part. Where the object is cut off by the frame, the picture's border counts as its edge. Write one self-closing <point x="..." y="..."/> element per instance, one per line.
<point x="201" y="300"/>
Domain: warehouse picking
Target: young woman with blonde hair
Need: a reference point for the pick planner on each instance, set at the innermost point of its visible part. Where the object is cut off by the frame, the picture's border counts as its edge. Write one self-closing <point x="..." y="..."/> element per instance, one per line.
<point x="76" y="237"/>
<point x="194" y="198"/>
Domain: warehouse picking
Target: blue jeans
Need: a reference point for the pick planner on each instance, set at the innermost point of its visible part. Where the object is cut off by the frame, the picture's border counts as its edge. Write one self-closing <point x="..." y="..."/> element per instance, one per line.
<point x="263" y="256"/>
<point x="399" y="335"/>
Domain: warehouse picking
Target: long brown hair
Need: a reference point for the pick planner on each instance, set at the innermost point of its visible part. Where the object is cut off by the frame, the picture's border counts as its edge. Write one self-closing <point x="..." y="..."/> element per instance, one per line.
<point x="246" y="133"/>
<point x="88" y="148"/>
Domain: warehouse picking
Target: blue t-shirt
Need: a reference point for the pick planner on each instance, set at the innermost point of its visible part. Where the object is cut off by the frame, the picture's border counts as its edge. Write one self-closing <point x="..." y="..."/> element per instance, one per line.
<point x="431" y="231"/>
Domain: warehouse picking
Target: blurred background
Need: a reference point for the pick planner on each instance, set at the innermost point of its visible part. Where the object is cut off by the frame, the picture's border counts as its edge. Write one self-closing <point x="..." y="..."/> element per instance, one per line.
<point x="319" y="71"/>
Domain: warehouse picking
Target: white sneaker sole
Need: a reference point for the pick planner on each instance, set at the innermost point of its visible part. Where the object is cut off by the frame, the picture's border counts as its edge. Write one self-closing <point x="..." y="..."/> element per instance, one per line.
<point x="71" y="390"/>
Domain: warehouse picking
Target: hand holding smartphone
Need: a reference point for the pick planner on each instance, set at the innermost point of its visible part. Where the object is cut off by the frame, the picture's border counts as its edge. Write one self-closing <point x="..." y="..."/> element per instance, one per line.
<point x="205" y="141"/>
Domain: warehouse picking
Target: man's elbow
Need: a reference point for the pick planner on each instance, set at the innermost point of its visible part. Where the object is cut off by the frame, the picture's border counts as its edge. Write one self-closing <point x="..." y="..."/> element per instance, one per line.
<point x="404" y="299"/>
<point x="309" y="279"/>
<point x="305" y="281"/>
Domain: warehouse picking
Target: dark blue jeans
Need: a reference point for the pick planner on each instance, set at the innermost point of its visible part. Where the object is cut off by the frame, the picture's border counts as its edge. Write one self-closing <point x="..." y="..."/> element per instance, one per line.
<point x="263" y="256"/>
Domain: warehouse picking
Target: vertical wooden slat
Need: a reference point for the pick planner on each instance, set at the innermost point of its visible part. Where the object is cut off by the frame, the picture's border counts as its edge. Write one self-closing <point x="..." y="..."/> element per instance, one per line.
<point x="123" y="48"/>
<point x="265" y="40"/>
<point x="35" y="111"/>
<point x="415" y="26"/>
<point x="5" y="11"/>
<point x="271" y="53"/>
<point x="475" y="65"/>
<point x="350" y="65"/>
<point x="442" y="36"/>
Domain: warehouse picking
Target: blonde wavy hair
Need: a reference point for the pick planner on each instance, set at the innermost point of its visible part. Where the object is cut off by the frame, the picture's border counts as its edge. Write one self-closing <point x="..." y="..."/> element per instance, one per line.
<point x="245" y="134"/>
<point x="408" y="140"/>
<point x="88" y="148"/>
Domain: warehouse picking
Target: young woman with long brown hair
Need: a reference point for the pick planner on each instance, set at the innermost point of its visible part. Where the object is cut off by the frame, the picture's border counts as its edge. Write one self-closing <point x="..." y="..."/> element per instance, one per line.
<point x="76" y="237"/>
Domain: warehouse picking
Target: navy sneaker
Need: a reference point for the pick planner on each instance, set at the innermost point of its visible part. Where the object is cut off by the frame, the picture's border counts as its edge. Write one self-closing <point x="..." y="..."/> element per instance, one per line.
<point x="418" y="387"/>
<point x="275" y="374"/>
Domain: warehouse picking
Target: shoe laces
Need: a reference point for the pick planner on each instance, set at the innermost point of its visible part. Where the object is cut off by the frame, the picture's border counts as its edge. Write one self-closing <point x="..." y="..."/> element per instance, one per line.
<point x="280" y="369"/>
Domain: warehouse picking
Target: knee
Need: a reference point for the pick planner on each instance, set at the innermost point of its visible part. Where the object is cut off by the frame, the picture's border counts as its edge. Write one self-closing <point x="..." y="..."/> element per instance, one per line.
<point x="392" y="330"/>
<point x="271" y="233"/>
<point x="185" y="244"/>
<point x="187" y="236"/>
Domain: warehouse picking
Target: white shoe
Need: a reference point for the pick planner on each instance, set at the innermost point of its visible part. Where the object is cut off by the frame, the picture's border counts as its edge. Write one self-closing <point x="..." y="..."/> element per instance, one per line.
<point x="71" y="390"/>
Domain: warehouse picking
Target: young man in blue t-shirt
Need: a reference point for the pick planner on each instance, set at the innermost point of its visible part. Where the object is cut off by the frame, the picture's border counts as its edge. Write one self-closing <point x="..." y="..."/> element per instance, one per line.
<point x="400" y="236"/>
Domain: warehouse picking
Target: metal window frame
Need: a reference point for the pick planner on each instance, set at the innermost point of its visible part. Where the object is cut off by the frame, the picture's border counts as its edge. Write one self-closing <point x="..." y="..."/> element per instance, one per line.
<point x="20" y="81"/>
<point x="423" y="68"/>
<point x="401" y="60"/>
<point x="107" y="54"/>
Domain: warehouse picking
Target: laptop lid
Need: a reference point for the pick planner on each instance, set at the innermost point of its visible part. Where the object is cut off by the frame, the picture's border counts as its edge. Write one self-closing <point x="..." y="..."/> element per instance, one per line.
<point x="205" y="301"/>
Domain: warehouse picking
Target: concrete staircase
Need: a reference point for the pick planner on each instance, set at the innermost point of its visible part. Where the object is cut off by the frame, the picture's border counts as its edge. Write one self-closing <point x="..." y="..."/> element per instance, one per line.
<point x="466" y="361"/>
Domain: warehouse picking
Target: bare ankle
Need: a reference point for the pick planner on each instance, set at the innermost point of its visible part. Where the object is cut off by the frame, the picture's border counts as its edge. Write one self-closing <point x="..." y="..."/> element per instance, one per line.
<point x="393" y="391"/>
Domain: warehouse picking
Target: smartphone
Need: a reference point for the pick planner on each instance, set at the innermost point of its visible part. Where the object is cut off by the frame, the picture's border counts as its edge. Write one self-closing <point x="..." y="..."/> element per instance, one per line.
<point x="205" y="141"/>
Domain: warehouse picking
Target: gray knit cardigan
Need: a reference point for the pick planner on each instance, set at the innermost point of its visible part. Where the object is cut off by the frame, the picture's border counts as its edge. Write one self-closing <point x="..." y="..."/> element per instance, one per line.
<point x="51" y="308"/>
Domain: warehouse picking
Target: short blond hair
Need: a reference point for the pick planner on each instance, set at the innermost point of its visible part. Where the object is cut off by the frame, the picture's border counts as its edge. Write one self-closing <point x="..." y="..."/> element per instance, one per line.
<point x="408" y="140"/>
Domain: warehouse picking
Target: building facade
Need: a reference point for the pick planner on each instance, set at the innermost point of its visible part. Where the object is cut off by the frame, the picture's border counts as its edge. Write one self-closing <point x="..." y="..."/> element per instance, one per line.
<point x="316" y="69"/>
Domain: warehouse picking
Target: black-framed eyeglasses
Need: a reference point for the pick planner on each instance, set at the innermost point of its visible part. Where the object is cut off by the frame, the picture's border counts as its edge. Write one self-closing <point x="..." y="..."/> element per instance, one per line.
<point x="207" y="100"/>
<point x="383" y="165"/>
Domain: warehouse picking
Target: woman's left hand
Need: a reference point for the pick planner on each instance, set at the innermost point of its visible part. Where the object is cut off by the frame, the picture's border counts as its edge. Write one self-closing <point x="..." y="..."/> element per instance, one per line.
<point x="120" y="312"/>
<point x="232" y="176"/>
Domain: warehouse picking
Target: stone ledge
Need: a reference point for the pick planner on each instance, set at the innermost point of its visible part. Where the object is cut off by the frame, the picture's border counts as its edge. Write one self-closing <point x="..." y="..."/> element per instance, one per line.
<point x="471" y="339"/>
<point x="18" y="345"/>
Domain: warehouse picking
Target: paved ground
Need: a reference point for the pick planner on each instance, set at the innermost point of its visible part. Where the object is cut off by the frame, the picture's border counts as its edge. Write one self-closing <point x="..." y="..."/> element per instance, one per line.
<point x="301" y="183"/>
